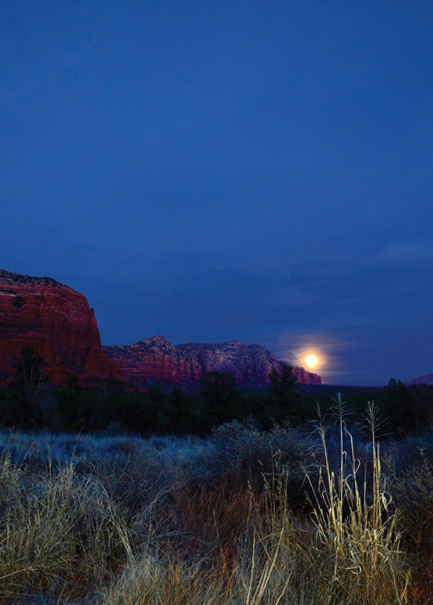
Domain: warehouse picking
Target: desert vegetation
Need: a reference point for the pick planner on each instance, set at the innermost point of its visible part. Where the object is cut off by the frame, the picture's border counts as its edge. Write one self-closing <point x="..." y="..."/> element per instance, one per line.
<point x="125" y="497"/>
<point x="31" y="403"/>
<point x="321" y="513"/>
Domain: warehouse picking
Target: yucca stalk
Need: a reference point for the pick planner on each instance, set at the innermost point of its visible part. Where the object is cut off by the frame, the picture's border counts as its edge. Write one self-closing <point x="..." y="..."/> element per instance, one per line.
<point x="356" y="532"/>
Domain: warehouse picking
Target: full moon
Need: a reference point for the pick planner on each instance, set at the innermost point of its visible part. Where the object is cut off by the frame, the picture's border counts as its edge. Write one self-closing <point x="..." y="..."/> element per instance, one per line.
<point x="311" y="361"/>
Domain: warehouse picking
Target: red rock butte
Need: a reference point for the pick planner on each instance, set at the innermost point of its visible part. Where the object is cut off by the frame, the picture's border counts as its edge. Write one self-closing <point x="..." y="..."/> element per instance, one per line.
<point x="57" y="322"/>
<point x="156" y="360"/>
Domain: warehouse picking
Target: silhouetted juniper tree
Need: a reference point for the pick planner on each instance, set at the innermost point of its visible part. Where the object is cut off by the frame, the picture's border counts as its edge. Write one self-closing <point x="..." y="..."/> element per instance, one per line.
<point x="285" y="402"/>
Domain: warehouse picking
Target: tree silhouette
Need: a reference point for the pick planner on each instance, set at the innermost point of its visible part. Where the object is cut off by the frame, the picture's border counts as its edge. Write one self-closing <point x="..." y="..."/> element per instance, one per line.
<point x="25" y="409"/>
<point x="284" y="399"/>
<point x="221" y="398"/>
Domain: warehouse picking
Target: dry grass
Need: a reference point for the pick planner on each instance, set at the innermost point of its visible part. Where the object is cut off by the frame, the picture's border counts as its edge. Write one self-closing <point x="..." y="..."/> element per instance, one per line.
<point x="56" y="532"/>
<point x="357" y="544"/>
<point x="166" y="534"/>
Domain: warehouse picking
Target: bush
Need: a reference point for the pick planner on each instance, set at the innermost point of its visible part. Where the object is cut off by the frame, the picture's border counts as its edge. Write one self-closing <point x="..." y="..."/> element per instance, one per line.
<point x="254" y="456"/>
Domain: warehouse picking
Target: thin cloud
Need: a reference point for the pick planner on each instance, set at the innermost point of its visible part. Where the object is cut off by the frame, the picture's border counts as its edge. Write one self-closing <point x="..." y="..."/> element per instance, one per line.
<point x="407" y="253"/>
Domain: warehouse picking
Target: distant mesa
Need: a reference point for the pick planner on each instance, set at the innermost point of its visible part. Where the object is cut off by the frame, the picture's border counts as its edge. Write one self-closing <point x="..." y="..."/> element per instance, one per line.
<point x="156" y="360"/>
<point x="427" y="379"/>
<point x="57" y="322"/>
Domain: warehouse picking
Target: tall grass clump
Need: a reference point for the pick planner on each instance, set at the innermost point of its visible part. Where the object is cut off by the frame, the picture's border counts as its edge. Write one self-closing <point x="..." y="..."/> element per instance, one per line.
<point x="254" y="570"/>
<point x="357" y="551"/>
<point x="413" y="494"/>
<point x="148" y="580"/>
<point x="57" y="532"/>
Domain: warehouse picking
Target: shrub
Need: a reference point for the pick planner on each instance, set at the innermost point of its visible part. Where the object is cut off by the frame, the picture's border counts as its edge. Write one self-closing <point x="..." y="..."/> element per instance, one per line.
<point x="254" y="456"/>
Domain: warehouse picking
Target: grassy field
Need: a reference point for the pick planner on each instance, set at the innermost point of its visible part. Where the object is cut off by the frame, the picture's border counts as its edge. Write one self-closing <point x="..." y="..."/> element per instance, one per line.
<point x="325" y="516"/>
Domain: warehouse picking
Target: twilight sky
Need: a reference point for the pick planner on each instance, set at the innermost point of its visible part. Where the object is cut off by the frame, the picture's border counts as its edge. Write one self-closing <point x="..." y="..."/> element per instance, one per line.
<point x="228" y="170"/>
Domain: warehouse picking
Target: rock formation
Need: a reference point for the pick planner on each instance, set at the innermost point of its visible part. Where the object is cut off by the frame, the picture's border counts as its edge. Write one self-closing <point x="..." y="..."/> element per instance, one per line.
<point x="57" y="322"/>
<point x="156" y="360"/>
<point x="427" y="379"/>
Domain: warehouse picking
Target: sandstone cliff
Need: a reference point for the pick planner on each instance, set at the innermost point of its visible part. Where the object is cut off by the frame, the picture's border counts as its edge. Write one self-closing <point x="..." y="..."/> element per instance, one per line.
<point x="156" y="360"/>
<point x="57" y="322"/>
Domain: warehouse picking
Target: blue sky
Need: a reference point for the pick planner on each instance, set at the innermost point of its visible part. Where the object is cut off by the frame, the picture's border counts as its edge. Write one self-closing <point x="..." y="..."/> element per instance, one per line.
<point x="243" y="170"/>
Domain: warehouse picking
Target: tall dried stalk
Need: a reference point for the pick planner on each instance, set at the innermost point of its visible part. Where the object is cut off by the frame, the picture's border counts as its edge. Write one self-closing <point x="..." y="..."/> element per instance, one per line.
<point x="356" y="528"/>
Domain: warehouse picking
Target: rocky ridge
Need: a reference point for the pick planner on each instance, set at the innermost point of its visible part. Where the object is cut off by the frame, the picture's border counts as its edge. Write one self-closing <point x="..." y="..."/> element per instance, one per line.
<point x="57" y="322"/>
<point x="427" y="379"/>
<point x="156" y="360"/>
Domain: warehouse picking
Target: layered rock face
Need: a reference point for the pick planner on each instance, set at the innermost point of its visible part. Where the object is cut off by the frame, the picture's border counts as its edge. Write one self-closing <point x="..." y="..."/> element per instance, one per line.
<point x="156" y="360"/>
<point x="306" y="377"/>
<point x="57" y="322"/>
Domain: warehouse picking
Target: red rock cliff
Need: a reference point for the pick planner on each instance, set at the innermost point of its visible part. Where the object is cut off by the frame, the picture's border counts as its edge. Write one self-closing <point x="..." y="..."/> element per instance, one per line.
<point x="57" y="322"/>
<point x="306" y="377"/>
<point x="156" y="360"/>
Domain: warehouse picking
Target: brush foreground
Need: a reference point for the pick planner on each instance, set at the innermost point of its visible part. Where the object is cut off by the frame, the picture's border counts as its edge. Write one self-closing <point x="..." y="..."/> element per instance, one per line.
<point x="245" y="517"/>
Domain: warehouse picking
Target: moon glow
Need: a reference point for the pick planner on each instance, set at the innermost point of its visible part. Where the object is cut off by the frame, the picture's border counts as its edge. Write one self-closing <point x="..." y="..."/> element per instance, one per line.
<point x="311" y="361"/>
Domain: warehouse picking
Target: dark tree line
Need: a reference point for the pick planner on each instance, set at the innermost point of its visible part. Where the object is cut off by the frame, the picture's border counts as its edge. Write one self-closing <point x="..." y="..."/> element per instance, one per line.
<point x="32" y="403"/>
